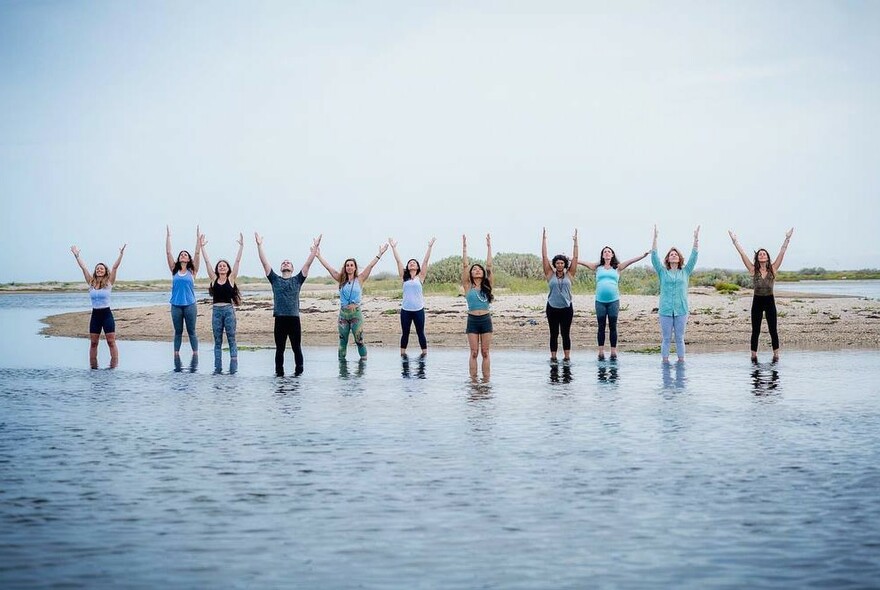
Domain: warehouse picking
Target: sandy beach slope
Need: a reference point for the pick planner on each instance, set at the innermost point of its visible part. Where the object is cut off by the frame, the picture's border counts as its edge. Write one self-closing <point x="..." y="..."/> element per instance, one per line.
<point x="717" y="322"/>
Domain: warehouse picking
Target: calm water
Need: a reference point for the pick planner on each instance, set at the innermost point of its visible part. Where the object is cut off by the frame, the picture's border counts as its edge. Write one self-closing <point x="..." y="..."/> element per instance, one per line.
<point x="869" y="288"/>
<point x="718" y="474"/>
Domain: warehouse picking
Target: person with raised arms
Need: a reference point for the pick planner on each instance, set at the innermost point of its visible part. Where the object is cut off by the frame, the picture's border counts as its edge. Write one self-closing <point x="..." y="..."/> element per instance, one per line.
<point x="608" y="270"/>
<point x="351" y="319"/>
<point x="560" y="274"/>
<point x="763" y="302"/>
<point x="100" y="283"/>
<point x="226" y="296"/>
<point x="412" y="308"/>
<point x="476" y="280"/>
<point x="183" y="295"/>
<point x="674" y="274"/>
<point x="285" y="306"/>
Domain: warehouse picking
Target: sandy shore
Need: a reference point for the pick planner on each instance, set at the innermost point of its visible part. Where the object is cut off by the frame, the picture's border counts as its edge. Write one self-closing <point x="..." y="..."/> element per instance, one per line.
<point x="717" y="322"/>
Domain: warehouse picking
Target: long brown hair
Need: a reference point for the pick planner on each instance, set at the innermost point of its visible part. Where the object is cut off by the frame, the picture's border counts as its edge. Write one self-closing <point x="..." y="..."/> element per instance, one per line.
<point x="95" y="282"/>
<point x="343" y="276"/>
<point x="236" y="294"/>
<point x="757" y="266"/>
<point x="485" y="284"/>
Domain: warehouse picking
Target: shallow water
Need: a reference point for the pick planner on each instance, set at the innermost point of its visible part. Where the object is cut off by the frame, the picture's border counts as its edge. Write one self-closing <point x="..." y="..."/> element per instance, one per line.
<point x="717" y="473"/>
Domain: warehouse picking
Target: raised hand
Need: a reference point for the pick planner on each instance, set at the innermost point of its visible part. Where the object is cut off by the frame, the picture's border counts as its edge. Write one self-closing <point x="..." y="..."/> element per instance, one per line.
<point x="732" y="235"/>
<point x="656" y="233"/>
<point x="788" y="234"/>
<point x="544" y="234"/>
<point x="258" y="239"/>
<point x="488" y="240"/>
<point x="122" y="250"/>
<point x="392" y="242"/>
<point x="382" y="249"/>
<point x="697" y="233"/>
<point x="167" y="231"/>
<point x="203" y="241"/>
<point x="575" y="238"/>
<point x="431" y="242"/>
<point x="240" y="240"/>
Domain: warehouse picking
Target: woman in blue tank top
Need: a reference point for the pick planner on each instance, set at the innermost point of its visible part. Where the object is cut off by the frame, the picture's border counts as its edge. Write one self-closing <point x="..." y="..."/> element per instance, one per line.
<point x="351" y="319"/>
<point x="608" y="271"/>
<point x="225" y="295"/>
<point x="412" y="308"/>
<point x="476" y="280"/>
<point x="560" y="274"/>
<point x="100" y="283"/>
<point x="183" y="295"/>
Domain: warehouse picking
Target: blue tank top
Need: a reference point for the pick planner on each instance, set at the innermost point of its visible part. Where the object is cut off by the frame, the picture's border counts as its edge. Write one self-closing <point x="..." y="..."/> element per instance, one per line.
<point x="607" y="290"/>
<point x="100" y="297"/>
<point x="476" y="300"/>
<point x="350" y="293"/>
<point x="183" y="289"/>
<point x="560" y="291"/>
<point x="413" y="298"/>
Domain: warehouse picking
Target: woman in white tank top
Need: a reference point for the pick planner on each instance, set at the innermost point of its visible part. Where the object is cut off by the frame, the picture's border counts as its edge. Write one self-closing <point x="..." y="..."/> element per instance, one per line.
<point x="412" y="308"/>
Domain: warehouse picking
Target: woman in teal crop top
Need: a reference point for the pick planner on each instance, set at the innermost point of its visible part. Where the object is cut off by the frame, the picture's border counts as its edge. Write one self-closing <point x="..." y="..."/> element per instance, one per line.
<point x="476" y="281"/>
<point x="608" y="271"/>
<point x="351" y="320"/>
<point x="100" y="283"/>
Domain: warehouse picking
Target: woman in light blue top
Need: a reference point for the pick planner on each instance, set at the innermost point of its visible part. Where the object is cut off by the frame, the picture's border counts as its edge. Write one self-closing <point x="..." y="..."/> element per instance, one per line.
<point x="183" y="294"/>
<point x="412" y="308"/>
<point x="100" y="285"/>
<point x="608" y="271"/>
<point x="476" y="280"/>
<point x="674" y="274"/>
<point x="559" y="274"/>
<point x="351" y="320"/>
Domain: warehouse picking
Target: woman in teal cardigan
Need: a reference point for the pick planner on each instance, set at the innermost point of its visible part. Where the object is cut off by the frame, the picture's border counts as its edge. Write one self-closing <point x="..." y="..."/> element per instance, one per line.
<point x="674" y="275"/>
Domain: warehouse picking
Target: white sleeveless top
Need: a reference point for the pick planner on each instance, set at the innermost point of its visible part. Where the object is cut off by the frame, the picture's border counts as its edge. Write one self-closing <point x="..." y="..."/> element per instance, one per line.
<point x="413" y="299"/>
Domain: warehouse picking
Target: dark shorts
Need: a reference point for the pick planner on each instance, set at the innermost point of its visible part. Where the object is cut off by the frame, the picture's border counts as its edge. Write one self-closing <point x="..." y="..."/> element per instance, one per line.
<point x="102" y="319"/>
<point x="479" y="324"/>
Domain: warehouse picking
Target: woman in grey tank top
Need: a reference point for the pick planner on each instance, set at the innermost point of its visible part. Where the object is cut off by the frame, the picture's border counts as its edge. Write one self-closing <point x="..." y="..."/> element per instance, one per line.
<point x="763" y="303"/>
<point x="560" y="274"/>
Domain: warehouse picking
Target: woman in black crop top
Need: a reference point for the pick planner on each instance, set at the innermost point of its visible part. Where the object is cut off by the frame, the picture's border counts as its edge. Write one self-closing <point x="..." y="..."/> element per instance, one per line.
<point x="763" y="303"/>
<point x="225" y="295"/>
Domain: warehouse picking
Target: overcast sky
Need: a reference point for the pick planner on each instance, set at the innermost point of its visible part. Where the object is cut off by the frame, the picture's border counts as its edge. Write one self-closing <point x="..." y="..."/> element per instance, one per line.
<point x="363" y="120"/>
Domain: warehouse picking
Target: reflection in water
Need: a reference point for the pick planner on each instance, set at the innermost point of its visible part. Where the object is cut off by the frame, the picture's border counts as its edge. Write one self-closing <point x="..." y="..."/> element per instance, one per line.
<point x="405" y="370"/>
<point x="676" y="381"/>
<point x="765" y="379"/>
<point x="344" y="373"/>
<point x="564" y="377"/>
<point x="479" y="390"/>
<point x="607" y="372"/>
<point x="193" y="364"/>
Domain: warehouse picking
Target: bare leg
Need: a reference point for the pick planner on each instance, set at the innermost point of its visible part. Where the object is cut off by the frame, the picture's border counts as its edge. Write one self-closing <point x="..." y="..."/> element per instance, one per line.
<point x="93" y="350"/>
<point x="114" y="351"/>
<point x="485" y="343"/>
<point x="474" y="344"/>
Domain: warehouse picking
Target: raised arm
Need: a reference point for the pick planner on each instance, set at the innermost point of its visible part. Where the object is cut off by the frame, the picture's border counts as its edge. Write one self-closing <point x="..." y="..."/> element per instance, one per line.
<point x="692" y="259"/>
<point x="626" y="263"/>
<point x="545" y="260"/>
<point x="333" y="272"/>
<point x="573" y="266"/>
<point x="655" y="258"/>
<point x="197" y="257"/>
<point x="237" y="264"/>
<point x="424" y="272"/>
<point x="465" y="275"/>
<point x="168" y="249"/>
<point x="82" y="265"/>
<point x="393" y="245"/>
<point x="742" y="253"/>
<point x="116" y="264"/>
<point x="778" y="262"/>
<point x="488" y="253"/>
<point x="365" y="274"/>
<point x="202" y="243"/>
<point x="267" y="268"/>
<point x="316" y="244"/>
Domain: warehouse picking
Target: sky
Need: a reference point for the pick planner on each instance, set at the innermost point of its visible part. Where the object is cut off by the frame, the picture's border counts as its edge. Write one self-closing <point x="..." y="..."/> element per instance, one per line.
<point x="367" y="120"/>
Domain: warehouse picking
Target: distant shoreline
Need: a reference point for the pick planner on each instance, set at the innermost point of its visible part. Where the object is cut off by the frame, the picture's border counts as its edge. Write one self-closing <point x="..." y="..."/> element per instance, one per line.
<point x="717" y="322"/>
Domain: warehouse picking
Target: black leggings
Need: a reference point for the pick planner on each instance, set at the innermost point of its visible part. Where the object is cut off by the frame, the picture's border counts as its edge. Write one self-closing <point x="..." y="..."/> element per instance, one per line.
<point x="288" y="326"/>
<point x="560" y="318"/>
<point x="407" y="318"/>
<point x="762" y="304"/>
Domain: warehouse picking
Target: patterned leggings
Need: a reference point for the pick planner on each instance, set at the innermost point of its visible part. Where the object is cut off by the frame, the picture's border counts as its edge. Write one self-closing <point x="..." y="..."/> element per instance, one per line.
<point x="351" y="321"/>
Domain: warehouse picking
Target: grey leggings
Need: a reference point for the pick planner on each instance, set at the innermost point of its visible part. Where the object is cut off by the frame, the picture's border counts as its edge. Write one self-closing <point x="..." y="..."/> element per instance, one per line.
<point x="181" y="314"/>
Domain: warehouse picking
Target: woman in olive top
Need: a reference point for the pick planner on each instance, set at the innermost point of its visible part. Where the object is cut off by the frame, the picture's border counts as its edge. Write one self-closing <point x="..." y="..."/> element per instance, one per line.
<point x="608" y="271"/>
<point x="764" y="275"/>
<point x="225" y="295"/>
<point x="183" y="294"/>
<point x="100" y="285"/>
<point x="476" y="280"/>
<point x="351" y="320"/>
<point x="559" y="275"/>
<point x="412" y="308"/>
<point x="674" y="274"/>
